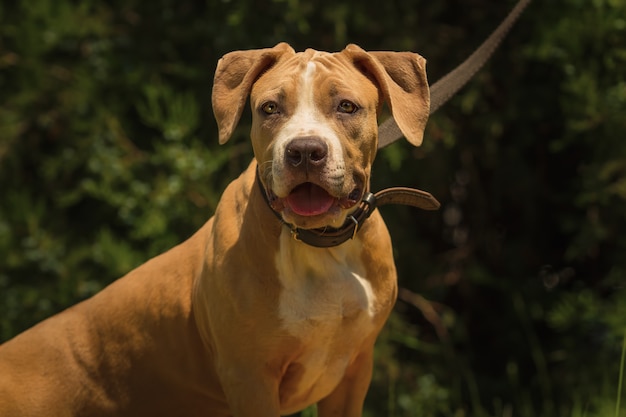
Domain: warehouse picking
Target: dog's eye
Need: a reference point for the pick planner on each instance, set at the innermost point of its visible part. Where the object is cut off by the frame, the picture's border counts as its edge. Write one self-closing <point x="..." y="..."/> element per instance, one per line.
<point x="270" y="107"/>
<point x="347" y="106"/>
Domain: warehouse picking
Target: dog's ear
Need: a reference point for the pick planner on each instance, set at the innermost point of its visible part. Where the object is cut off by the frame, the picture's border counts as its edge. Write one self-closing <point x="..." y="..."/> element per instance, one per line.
<point x="234" y="76"/>
<point x="401" y="78"/>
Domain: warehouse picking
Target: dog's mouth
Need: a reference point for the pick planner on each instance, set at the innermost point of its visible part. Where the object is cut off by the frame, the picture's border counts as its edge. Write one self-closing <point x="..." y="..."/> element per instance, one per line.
<point x="309" y="200"/>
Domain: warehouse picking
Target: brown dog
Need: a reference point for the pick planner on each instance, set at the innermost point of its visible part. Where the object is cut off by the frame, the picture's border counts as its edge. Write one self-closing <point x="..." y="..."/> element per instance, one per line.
<point x="242" y="319"/>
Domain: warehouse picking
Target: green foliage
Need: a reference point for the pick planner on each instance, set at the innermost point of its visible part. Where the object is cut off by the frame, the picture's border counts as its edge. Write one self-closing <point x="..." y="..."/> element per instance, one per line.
<point x="108" y="156"/>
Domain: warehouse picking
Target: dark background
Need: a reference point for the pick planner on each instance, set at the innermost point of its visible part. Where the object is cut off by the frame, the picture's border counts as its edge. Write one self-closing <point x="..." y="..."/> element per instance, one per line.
<point x="513" y="300"/>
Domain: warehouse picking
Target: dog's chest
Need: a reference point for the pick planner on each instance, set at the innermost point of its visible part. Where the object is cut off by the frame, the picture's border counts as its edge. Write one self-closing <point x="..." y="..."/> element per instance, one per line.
<point x="322" y="288"/>
<point x="328" y="305"/>
<point x="324" y="301"/>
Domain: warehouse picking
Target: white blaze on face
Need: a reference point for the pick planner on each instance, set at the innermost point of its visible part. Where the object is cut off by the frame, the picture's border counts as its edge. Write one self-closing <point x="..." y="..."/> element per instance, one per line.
<point x="307" y="120"/>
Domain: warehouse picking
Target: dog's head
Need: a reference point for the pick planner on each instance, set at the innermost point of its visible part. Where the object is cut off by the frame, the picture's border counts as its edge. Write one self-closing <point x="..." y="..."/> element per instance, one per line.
<point x="315" y="121"/>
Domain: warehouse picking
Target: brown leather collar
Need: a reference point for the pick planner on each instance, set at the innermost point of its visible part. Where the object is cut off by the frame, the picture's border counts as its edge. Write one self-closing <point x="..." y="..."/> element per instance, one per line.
<point x="328" y="236"/>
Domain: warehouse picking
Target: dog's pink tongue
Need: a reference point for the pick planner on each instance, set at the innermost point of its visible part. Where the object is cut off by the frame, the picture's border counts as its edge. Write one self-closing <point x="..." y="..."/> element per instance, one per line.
<point x="309" y="200"/>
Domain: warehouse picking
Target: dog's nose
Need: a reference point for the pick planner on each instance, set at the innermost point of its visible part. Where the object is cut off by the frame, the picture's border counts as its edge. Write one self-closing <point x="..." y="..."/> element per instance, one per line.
<point x="309" y="150"/>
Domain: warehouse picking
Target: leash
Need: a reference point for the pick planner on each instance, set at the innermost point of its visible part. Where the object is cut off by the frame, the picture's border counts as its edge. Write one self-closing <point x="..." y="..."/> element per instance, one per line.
<point x="329" y="236"/>
<point x="451" y="83"/>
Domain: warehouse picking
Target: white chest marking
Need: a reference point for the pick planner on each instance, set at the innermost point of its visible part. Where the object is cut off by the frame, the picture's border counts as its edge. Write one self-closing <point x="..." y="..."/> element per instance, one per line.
<point x="328" y="305"/>
<point x="321" y="287"/>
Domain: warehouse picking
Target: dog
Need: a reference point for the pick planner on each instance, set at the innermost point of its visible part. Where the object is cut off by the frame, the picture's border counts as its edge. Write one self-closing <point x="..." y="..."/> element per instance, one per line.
<point x="249" y="317"/>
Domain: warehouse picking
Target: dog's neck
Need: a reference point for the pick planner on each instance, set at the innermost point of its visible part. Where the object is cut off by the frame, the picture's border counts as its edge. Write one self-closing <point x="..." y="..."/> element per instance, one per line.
<point x="330" y="237"/>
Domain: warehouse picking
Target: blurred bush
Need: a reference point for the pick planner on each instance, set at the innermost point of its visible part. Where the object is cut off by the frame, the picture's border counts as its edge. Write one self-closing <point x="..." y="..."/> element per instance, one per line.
<point x="513" y="300"/>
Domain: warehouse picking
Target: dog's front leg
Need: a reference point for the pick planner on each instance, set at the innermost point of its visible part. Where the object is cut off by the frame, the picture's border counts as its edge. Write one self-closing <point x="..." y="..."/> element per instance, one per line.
<point x="347" y="399"/>
<point x="250" y="392"/>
